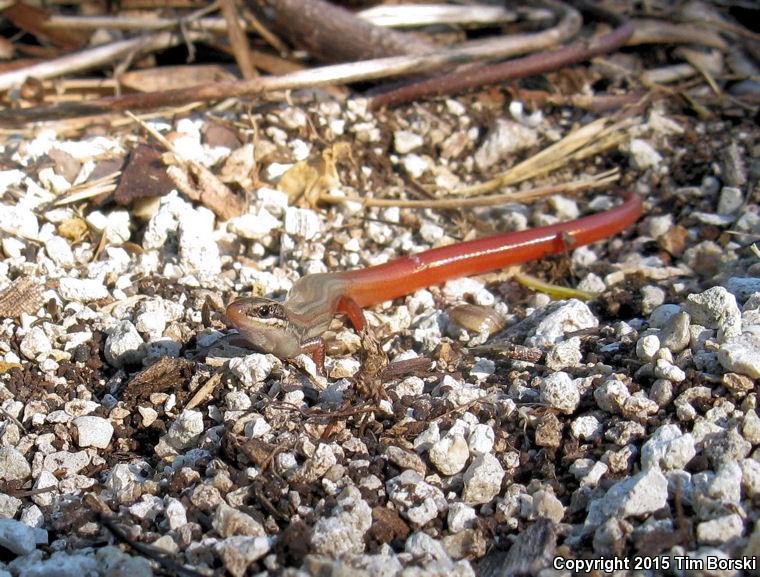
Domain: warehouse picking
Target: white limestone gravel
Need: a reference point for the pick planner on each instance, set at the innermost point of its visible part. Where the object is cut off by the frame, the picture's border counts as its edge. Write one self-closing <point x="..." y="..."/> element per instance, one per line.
<point x="13" y="465"/>
<point x="449" y="454"/>
<point x="93" y="431"/>
<point x="17" y="537"/>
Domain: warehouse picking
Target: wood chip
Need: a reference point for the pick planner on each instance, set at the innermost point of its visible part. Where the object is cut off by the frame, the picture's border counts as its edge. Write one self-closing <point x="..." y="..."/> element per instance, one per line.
<point x="23" y="296"/>
<point x="204" y="391"/>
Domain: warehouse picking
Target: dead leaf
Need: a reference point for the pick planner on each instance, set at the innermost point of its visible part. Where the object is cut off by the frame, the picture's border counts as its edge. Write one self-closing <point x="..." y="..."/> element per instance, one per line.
<point x="103" y="169"/>
<point x="166" y="374"/>
<point x="65" y="164"/>
<point x="215" y="134"/>
<point x="34" y="21"/>
<point x="143" y="176"/>
<point x="258" y="452"/>
<point x="313" y="177"/>
<point x="72" y="228"/>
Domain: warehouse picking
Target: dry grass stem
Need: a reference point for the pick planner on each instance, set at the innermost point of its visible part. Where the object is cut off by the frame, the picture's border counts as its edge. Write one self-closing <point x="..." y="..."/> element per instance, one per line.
<point x="586" y="141"/>
<point x="597" y="181"/>
<point x="88" y="190"/>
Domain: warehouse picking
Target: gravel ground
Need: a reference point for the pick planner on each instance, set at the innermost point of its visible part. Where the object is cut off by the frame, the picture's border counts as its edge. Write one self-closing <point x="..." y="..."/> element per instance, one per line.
<point x="622" y="429"/>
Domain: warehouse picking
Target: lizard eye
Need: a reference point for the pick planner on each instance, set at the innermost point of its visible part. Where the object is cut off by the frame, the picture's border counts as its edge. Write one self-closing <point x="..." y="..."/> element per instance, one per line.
<point x="265" y="312"/>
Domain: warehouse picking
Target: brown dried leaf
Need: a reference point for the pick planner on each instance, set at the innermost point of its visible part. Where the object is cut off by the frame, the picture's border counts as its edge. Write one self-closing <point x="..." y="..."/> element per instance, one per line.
<point x="23" y="296"/>
<point x="144" y="175"/>
<point x="174" y="77"/>
<point x="215" y="134"/>
<point x="34" y="21"/>
<point x="65" y="164"/>
<point x="104" y="169"/>
<point x="73" y="228"/>
<point x="258" y="452"/>
<point x="167" y="374"/>
<point x="314" y="176"/>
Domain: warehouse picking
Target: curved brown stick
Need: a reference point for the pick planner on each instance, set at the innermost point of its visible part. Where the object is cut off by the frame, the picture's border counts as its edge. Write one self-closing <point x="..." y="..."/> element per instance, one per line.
<point x="331" y="33"/>
<point x="510" y="70"/>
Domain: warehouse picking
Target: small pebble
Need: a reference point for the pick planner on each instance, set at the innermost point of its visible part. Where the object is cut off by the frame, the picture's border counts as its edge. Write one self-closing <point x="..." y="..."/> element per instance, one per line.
<point x="405" y="141"/>
<point x="715" y="308"/>
<point x="643" y="155"/>
<point x="720" y="530"/>
<point x="460" y="516"/>
<point x="449" y="455"/>
<point x="504" y="139"/>
<point x="82" y="290"/>
<point x="481" y="439"/>
<point x="675" y="333"/>
<point x="228" y="521"/>
<point x="302" y="223"/>
<point x="647" y="347"/>
<point x="564" y="354"/>
<point x="743" y="287"/>
<point x="559" y="391"/>
<point x="36" y="343"/>
<point x="741" y="354"/>
<point x="586" y="428"/>
<point x="17" y="537"/>
<point x="124" y="345"/>
<point x="611" y="396"/>
<point x="13" y="465"/>
<point x="665" y="370"/>
<point x="668" y="449"/>
<point x="661" y="392"/>
<point x="93" y="431"/>
<point x="482" y="480"/>
<point x="730" y="200"/>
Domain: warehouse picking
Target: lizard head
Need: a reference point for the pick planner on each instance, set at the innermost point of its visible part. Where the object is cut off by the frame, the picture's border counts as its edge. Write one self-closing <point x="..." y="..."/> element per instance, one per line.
<point x="264" y="323"/>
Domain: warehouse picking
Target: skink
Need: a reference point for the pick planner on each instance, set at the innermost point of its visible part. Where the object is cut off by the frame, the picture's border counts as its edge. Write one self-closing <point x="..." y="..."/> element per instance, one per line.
<point x="287" y="329"/>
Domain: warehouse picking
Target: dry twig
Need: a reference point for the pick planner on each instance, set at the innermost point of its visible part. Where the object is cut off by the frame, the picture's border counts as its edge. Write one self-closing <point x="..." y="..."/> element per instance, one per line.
<point x="238" y="39"/>
<point x="510" y="70"/>
<point x="499" y="47"/>
<point x="94" y="57"/>
<point x="333" y="34"/>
